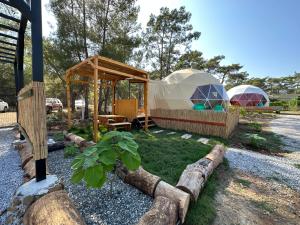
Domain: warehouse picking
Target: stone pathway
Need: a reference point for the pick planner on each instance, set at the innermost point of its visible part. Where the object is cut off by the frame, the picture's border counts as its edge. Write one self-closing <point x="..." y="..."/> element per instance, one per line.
<point x="288" y="126"/>
<point x="265" y="166"/>
<point x="11" y="175"/>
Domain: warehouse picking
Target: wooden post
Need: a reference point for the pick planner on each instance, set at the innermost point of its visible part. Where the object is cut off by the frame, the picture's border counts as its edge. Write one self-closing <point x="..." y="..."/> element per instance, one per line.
<point x="146" y="104"/>
<point x="69" y="100"/>
<point x="113" y="96"/>
<point x="96" y="100"/>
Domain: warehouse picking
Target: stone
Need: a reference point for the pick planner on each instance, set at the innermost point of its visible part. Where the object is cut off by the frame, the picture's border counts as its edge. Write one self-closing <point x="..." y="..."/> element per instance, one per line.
<point x="27" y="194"/>
<point x="203" y="140"/>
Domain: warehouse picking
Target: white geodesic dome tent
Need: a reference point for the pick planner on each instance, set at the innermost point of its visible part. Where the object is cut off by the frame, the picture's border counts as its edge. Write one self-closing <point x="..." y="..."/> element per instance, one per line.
<point x="183" y="89"/>
<point x="247" y="96"/>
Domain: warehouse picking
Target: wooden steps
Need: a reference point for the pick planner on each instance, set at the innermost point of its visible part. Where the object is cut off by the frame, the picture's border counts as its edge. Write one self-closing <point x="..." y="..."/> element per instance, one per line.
<point x="120" y="125"/>
<point x="139" y="122"/>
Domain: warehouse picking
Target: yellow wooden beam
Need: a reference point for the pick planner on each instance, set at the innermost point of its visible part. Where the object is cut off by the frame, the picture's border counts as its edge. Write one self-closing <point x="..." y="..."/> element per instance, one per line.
<point x="115" y="72"/>
<point x="96" y="101"/>
<point x="146" y="104"/>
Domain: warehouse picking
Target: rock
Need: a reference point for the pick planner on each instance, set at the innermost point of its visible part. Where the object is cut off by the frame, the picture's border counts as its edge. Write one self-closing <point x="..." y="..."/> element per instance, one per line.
<point x="27" y="194"/>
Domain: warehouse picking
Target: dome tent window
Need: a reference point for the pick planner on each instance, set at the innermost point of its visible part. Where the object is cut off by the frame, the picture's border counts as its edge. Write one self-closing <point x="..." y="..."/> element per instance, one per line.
<point x="248" y="96"/>
<point x="211" y="96"/>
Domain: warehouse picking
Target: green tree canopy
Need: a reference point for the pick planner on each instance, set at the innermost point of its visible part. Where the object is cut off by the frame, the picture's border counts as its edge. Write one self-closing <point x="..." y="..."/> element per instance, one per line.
<point x="167" y="36"/>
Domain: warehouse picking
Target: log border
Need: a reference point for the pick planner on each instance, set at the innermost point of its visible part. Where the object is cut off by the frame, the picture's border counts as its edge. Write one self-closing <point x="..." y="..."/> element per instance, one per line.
<point x="179" y="195"/>
<point x="28" y="165"/>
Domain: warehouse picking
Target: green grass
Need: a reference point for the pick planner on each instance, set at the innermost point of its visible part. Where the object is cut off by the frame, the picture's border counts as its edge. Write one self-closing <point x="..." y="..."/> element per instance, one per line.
<point x="251" y="136"/>
<point x="203" y="211"/>
<point x="59" y="136"/>
<point x="167" y="156"/>
<point x="243" y="182"/>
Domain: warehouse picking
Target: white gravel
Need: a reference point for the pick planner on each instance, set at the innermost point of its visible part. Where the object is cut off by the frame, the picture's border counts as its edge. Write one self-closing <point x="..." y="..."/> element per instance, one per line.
<point x="288" y="126"/>
<point x="125" y="207"/>
<point x="11" y="174"/>
<point x="272" y="167"/>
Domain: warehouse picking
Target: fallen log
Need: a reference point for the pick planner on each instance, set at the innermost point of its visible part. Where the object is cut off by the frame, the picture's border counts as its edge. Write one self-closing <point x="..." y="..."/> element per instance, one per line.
<point x="164" y="211"/>
<point x="216" y="155"/>
<point x="140" y="178"/>
<point x="53" y="208"/>
<point x="81" y="142"/>
<point x="180" y="197"/>
<point x="195" y="175"/>
<point x="56" y="146"/>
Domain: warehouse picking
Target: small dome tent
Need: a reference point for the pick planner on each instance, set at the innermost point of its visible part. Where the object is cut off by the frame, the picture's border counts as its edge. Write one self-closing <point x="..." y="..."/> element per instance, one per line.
<point x="185" y="89"/>
<point x="248" y="95"/>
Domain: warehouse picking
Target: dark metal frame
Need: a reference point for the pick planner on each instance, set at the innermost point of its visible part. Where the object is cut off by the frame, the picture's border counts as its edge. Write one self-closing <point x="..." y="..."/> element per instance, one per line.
<point x="30" y="11"/>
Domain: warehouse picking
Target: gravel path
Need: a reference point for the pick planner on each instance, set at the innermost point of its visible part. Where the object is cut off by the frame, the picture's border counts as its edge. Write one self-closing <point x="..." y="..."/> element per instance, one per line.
<point x="125" y="207"/>
<point x="272" y="167"/>
<point x="288" y="126"/>
<point x="11" y="174"/>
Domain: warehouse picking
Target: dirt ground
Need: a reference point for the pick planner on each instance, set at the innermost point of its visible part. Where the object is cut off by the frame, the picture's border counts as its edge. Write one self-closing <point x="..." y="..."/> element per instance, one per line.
<point x="8" y="119"/>
<point x="246" y="199"/>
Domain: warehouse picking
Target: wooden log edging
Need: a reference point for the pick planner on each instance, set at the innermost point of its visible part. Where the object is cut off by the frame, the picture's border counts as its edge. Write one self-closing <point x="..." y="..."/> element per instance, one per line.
<point x="170" y="203"/>
<point x="81" y="142"/>
<point x="195" y="175"/>
<point x="141" y="179"/>
<point x="53" y="207"/>
<point x="164" y="211"/>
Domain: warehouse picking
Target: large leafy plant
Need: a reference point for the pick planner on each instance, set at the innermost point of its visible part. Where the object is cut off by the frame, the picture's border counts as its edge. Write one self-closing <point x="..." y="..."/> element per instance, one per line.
<point x="96" y="161"/>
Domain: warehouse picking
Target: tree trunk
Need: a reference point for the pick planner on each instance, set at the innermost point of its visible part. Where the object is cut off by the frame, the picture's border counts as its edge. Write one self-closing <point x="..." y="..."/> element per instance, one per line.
<point x="140" y="178"/>
<point x="163" y="212"/>
<point x="195" y="175"/>
<point x="176" y="195"/>
<point x="86" y="89"/>
<point x="53" y="208"/>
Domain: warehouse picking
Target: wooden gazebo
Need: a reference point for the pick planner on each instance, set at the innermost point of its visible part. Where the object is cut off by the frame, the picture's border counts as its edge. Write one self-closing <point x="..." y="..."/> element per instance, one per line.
<point x="99" y="68"/>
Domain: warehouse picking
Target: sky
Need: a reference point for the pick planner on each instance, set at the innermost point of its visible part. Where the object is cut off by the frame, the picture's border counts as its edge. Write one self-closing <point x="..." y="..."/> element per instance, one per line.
<point x="261" y="35"/>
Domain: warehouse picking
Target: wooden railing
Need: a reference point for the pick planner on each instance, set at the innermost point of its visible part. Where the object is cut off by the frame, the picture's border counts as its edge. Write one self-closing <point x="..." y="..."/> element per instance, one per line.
<point x="32" y="117"/>
<point x="202" y="122"/>
<point x="127" y="108"/>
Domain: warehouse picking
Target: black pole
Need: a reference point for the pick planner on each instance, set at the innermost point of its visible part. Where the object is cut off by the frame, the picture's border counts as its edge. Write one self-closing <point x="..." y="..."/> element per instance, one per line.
<point x="37" y="67"/>
<point x="20" y="51"/>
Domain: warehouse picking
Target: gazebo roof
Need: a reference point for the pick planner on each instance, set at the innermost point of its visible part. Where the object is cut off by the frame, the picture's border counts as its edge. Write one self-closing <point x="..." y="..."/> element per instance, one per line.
<point x="108" y="69"/>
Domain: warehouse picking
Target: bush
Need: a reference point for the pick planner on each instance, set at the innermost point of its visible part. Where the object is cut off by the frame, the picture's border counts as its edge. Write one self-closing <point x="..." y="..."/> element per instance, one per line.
<point x="96" y="161"/>
<point x="293" y="104"/>
<point x="255" y="126"/>
<point x="71" y="150"/>
<point x="59" y="136"/>
<point x="256" y="141"/>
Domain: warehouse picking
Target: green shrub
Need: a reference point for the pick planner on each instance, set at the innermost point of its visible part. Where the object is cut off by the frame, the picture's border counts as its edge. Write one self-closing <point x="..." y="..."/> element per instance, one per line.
<point x="243" y="112"/>
<point x="256" y="141"/>
<point x="293" y="104"/>
<point x="71" y="150"/>
<point x="96" y="161"/>
<point x="255" y="126"/>
<point x="59" y="136"/>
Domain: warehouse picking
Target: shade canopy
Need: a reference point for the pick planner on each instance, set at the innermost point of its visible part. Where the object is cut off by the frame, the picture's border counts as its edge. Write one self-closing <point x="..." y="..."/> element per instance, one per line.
<point x="108" y="69"/>
<point x="248" y="96"/>
<point x="183" y="89"/>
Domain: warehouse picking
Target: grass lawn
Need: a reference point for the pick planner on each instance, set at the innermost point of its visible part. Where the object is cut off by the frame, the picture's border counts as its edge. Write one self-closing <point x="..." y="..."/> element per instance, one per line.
<point x="167" y="156"/>
<point x="253" y="137"/>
